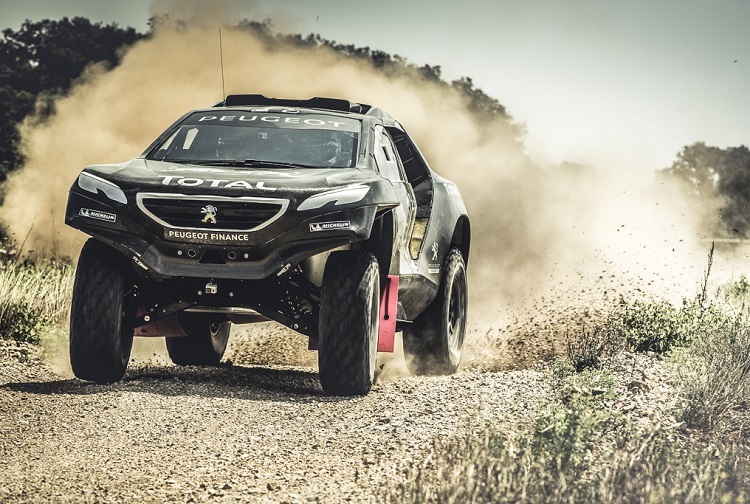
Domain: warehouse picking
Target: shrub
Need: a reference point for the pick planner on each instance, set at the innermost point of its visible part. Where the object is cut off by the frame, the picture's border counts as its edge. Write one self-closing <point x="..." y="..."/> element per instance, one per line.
<point x="587" y="349"/>
<point x="714" y="372"/>
<point x="656" y="326"/>
<point x="737" y="294"/>
<point x="19" y="321"/>
<point x="738" y="290"/>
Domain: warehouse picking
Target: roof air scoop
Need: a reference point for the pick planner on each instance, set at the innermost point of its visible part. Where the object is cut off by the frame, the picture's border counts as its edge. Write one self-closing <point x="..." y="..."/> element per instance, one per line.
<point x="317" y="103"/>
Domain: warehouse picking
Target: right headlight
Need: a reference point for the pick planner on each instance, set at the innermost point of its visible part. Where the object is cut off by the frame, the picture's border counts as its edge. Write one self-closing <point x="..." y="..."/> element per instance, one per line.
<point x="94" y="184"/>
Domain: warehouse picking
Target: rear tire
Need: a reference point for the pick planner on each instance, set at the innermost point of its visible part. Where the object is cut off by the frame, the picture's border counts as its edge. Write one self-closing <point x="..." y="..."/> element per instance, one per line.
<point x="101" y="315"/>
<point x="349" y="322"/>
<point x="434" y="342"/>
<point x="205" y="343"/>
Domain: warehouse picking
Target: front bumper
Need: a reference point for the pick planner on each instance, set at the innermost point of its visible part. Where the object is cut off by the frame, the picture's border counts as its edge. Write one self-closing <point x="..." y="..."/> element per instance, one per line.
<point x="163" y="252"/>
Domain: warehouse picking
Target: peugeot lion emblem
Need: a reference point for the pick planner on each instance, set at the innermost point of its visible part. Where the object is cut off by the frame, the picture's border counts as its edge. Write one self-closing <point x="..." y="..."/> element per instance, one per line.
<point x="210" y="212"/>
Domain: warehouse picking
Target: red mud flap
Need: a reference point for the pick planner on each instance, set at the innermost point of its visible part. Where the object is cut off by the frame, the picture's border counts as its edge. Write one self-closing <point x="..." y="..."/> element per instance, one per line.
<point x="388" y="308"/>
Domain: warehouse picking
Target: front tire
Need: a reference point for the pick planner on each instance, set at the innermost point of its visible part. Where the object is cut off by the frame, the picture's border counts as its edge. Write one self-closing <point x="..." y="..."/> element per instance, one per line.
<point x="434" y="342"/>
<point x="101" y="315"/>
<point x="349" y="323"/>
<point x="205" y="343"/>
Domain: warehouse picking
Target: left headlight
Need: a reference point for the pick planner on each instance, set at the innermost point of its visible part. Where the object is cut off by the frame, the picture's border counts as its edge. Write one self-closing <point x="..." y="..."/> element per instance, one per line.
<point x="94" y="184"/>
<point x="342" y="196"/>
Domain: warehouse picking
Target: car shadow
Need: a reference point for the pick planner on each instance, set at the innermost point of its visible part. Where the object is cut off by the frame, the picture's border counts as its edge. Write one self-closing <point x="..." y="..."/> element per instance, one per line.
<point x="225" y="381"/>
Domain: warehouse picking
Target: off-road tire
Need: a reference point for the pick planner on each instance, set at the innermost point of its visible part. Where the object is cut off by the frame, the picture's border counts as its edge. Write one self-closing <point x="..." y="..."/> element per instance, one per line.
<point x="433" y="343"/>
<point x="205" y="343"/>
<point x="101" y="315"/>
<point x="349" y="322"/>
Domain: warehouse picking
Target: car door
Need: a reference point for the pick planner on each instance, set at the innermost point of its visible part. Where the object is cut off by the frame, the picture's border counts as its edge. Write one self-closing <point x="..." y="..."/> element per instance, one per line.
<point x="390" y="168"/>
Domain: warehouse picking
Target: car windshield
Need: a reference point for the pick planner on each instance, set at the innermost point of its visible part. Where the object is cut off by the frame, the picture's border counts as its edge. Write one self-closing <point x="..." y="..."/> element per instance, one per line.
<point x="272" y="135"/>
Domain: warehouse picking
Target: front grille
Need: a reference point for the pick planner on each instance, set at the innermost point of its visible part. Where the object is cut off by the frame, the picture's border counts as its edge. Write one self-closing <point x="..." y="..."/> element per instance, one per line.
<point x="211" y="212"/>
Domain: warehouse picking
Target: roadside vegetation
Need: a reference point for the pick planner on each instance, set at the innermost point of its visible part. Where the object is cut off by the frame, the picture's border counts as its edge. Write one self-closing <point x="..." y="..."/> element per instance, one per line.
<point x="607" y="434"/>
<point x="34" y="297"/>
<point x="579" y="448"/>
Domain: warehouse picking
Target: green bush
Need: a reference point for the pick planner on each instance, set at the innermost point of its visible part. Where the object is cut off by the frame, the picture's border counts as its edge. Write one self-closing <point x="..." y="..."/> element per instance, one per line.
<point x="738" y="290"/>
<point x="736" y="295"/>
<point x="656" y="326"/>
<point x="20" y="321"/>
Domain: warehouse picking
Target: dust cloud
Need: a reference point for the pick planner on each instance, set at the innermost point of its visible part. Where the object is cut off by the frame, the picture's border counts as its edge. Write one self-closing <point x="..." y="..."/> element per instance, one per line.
<point x="547" y="243"/>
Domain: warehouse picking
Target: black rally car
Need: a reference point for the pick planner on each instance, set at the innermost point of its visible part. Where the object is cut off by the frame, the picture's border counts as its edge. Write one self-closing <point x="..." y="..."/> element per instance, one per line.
<point x="320" y="214"/>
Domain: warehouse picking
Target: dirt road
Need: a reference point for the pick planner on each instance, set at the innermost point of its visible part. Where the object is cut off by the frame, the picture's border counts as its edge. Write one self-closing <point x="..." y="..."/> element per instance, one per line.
<point x="240" y="432"/>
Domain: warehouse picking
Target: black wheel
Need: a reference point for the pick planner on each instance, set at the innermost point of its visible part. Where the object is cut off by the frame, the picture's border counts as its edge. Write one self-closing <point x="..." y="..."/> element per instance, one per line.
<point x="101" y="314"/>
<point x="207" y="337"/>
<point x="349" y="322"/>
<point x="434" y="342"/>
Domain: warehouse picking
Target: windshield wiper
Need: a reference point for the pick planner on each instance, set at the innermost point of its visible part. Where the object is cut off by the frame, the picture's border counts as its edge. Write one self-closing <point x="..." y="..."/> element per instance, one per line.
<point x="216" y="162"/>
<point x="272" y="164"/>
<point x="255" y="163"/>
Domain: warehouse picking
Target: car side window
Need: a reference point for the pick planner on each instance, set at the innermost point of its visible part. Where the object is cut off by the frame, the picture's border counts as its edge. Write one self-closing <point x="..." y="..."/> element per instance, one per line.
<point x="385" y="157"/>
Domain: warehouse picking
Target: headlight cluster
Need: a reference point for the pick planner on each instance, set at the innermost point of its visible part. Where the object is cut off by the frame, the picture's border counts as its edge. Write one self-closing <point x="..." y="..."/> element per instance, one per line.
<point x="94" y="184"/>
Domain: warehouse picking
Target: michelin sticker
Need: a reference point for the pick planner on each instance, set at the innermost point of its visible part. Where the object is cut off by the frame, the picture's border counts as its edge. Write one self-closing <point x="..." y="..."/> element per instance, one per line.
<point x="284" y="269"/>
<point x="328" y="226"/>
<point x="139" y="263"/>
<point x="97" y="214"/>
<point x="433" y="268"/>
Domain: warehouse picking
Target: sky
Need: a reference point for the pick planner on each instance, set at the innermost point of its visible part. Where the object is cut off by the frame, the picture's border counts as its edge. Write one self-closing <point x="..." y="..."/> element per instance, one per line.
<point x="621" y="85"/>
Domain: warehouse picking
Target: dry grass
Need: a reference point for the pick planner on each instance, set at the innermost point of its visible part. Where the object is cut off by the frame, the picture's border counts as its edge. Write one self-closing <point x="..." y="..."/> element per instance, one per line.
<point x="593" y="346"/>
<point x="714" y="373"/>
<point x="33" y="298"/>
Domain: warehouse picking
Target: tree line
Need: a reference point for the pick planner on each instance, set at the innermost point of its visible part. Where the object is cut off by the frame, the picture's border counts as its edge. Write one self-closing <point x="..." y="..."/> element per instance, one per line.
<point x="717" y="180"/>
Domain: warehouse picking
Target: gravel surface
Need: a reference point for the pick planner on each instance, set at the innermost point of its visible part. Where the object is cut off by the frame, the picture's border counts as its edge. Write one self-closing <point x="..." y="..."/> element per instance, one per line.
<point x="258" y="428"/>
<point x="245" y="431"/>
